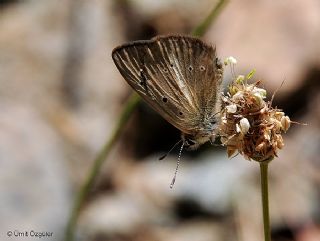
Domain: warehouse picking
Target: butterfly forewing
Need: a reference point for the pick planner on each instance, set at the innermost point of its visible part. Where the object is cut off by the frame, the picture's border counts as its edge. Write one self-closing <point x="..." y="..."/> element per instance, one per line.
<point x="176" y="75"/>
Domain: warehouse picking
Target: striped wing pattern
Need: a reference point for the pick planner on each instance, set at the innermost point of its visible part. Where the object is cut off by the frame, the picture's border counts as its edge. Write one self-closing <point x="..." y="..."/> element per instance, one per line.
<point x="177" y="75"/>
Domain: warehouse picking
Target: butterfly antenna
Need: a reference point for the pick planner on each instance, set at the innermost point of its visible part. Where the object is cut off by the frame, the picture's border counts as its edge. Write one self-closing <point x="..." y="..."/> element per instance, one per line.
<point x="165" y="155"/>
<point x="177" y="167"/>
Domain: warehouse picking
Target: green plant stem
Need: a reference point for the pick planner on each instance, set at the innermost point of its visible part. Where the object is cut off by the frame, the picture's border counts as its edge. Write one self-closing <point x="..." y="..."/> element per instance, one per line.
<point x="204" y="25"/>
<point x="124" y="117"/>
<point x="265" y="200"/>
<point x="97" y="163"/>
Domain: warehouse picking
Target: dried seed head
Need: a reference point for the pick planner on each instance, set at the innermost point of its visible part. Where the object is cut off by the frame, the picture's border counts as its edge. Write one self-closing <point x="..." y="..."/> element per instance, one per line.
<point x="249" y="125"/>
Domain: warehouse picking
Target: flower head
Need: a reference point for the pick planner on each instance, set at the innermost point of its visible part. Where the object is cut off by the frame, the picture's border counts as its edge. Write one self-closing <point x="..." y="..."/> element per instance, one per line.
<point x="249" y="124"/>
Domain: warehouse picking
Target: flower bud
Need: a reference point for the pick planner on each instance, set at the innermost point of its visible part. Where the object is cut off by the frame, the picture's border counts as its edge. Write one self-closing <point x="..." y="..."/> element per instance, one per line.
<point x="244" y="125"/>
<point x="285" y="123"/>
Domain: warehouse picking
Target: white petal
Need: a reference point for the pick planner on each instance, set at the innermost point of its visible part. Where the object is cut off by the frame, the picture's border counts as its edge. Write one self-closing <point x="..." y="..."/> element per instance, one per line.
<point x="230" y="60"/>
<point x="238" y="129"/>
<point x="237" y="96"/>
<point x="244" y="125"/>
<point x="259" y="92"/>
<point x="231" y="108"/>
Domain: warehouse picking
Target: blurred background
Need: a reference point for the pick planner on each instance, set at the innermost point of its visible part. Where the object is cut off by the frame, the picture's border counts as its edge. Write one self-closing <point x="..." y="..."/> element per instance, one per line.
<point x="61" y="95"/>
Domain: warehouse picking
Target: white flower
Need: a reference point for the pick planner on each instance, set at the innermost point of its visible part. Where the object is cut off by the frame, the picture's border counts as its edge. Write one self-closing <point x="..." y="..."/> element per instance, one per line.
<point x="244" y="125"/>
<point x="237" y="96"/>
<point x="230" y="60"/>
<point x="240" y="79"/>
<point x="259" y="92"/>
<point x="231" y="108"/>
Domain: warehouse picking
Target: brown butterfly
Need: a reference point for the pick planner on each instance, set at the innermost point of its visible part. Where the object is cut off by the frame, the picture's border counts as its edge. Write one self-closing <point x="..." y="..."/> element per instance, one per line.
<point x="178" y="76"/>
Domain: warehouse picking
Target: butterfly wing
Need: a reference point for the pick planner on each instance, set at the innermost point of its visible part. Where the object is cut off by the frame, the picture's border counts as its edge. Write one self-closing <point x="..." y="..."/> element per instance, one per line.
<point x="177" y="75"/>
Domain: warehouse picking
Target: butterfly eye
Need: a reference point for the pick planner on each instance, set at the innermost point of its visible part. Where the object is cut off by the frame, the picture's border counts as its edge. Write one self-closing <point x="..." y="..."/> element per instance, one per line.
<point x="180" y="113"/>
<point x="190" y="68"/>
<point x="171" y="65"/>
<point x="202" y="68"/>
<point x="165" y="99"/>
